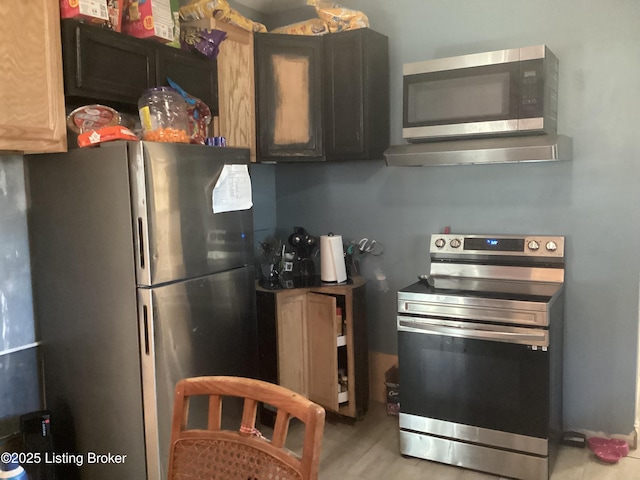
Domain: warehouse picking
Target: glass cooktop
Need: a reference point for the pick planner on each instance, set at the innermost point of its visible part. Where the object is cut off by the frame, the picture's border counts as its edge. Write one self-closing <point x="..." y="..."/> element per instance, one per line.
<point x="485" y="288"/>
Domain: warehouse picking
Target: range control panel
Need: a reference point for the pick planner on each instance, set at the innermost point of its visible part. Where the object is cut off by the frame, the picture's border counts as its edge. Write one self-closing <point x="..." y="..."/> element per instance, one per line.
<point x="517" y="245"/>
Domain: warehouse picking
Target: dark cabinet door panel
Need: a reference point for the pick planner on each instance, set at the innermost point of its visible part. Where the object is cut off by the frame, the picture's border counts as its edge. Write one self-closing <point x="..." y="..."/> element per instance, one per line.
<point x="196" y="75"/>
<point x="344" y="99"/>
<point x="376" y="96"/>
<point x="322" y="98"/>
<point x="357" y="95"/>
<point x="105" y="65"/>
<point x="289" y="97"/>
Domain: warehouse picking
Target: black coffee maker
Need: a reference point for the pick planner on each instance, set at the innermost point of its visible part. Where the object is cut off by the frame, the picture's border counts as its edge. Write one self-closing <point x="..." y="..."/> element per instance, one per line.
<point x="304" y="246"/>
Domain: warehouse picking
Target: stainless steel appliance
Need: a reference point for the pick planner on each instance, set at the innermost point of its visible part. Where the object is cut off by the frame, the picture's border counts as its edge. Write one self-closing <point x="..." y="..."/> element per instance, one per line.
<point x="480" y="354"/>
<point x="137" y="283"/>
<point x="504" y="92"/>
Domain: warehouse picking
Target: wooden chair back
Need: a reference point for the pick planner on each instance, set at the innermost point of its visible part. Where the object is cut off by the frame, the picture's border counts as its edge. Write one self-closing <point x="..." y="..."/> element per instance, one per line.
<point x="216" y="454"/>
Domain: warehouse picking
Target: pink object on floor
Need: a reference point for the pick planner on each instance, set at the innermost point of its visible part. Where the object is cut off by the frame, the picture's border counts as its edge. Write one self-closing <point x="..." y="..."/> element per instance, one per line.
<point x="608" y="450"/>
<point x="607" y="454"/>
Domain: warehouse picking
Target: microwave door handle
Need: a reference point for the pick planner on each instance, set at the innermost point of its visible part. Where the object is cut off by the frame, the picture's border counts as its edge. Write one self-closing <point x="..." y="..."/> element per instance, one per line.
<point x="538" y="337"/>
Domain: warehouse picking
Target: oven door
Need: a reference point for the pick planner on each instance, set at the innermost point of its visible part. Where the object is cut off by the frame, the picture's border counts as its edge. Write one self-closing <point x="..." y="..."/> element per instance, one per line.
<point x="494" y="377"/>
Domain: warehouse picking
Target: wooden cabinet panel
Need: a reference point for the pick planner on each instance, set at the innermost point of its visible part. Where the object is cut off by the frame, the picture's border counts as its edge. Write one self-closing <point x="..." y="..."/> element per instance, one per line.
<point x="236" y="88"/>
<point x="31" y="87"/>
<point x="312" y="345"/>
<point x="236" y="84"/>
<point x="292" y="339"/>
<point x="289" y="97"/>
<point x="322" y="350"/>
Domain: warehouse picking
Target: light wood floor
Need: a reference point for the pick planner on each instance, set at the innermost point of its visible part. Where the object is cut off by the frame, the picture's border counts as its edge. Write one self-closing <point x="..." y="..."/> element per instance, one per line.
<point x="369" y="450"/>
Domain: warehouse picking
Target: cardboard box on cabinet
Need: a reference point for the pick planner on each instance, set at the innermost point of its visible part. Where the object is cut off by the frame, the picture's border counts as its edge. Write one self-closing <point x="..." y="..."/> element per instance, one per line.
<point x="150" y="19"/>
<point x="93" y="11"/>
<point x="114" y="10"/>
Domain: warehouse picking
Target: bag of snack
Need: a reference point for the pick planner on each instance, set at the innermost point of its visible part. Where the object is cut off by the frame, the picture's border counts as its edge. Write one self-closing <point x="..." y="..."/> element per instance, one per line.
<point x="313" y="26"/>
<point x="205" y="41"/>
<point x="233" y="17"/>
<point x="105" y="134"/>
<point x="199" y="9"/>
<point x="220" y="10"/>
<point x="198" y="112"/>
<point x="339" y="18"/>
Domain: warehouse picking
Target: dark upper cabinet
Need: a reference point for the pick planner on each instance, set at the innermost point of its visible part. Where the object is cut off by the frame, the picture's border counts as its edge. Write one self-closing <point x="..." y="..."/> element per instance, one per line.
<point x="356" y="93"/>
<point x="288" y="97"/>
<point x="195" y="74"/>
<point x="105" y="66"/>
<point x="322" y="98"/>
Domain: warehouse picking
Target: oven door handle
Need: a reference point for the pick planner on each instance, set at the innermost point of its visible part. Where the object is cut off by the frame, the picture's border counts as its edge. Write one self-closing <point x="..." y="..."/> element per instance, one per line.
<point x="534" y="337"/>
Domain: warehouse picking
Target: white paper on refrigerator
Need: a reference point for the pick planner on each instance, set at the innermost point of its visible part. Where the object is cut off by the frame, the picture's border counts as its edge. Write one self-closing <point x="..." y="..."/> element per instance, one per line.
<point x="232" y="190"/>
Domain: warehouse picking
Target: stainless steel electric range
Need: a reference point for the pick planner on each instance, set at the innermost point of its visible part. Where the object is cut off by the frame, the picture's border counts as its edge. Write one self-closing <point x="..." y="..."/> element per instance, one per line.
<point x="480" y="354"/>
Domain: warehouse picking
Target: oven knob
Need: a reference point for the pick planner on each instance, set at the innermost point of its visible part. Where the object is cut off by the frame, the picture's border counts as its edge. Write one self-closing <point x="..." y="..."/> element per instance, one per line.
<point x="440" y="243"/>
<point x="551" y="246"/>
<point x="533" y="245"/>
<point x="455" y="243"/>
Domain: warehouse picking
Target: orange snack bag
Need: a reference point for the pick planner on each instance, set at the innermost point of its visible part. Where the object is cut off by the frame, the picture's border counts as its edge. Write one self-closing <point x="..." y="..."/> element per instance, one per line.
<point x="105" y="134"/>
<point x="313" y="26"/>
<point x="338" y="17"/>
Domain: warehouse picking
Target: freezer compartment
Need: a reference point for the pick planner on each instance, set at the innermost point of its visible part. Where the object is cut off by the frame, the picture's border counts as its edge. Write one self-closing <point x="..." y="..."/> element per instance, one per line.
<point x="204" y="326"/>
<point x="177" y="234"/>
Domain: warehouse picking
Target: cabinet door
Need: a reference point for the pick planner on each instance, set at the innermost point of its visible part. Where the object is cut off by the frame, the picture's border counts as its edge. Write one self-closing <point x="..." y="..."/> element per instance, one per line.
<point x="236" y="89"/>
<point x="356" y="95"/>
<point x="104" y="65"/>
<point x="31" y="94"/>
<point x="292" y="341"/>
<point x="344" y="90"/>
<point x="197" y="75"/>
<point x="289" y="97"/>
<point x="322" y="350"/>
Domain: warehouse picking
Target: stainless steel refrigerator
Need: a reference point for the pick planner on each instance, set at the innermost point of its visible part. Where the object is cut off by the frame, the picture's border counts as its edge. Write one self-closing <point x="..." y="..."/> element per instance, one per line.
<point x="137" y="283"/>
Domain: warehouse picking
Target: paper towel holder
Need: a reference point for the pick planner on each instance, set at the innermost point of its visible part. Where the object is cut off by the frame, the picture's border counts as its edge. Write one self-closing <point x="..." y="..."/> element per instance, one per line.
<point x="332" y="260"/>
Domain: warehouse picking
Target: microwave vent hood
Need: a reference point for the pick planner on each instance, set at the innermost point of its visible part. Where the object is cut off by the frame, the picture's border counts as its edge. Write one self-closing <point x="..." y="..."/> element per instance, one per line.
<point x="533" y="148"/>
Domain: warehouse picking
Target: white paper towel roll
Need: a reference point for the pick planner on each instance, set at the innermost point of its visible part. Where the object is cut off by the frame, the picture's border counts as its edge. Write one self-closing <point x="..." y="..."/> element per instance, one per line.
<point x="332" y="266"/>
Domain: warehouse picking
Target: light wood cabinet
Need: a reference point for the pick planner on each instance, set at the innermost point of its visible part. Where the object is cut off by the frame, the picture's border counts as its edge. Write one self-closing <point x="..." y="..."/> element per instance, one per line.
<point x="31" y="88"/>
<point x="291" y="342"/>
<point x="236" y="92"/>
<point x="323" y="352"/>
<point x="313" y="340"/>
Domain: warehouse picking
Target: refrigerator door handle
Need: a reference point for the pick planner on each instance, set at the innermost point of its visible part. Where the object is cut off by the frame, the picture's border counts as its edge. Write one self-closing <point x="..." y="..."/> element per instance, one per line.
<point x="149" y="386"/>
<point x="145" y="326"/>
<point x="141" y="257"/>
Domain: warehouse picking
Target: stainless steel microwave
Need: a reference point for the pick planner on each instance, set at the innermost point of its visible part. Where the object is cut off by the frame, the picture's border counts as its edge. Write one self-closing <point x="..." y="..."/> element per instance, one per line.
<point x="506" y="92"/>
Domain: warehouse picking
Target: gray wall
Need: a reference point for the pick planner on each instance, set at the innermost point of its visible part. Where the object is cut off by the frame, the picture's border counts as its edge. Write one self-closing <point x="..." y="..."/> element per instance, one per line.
<point x="592" y="200"/>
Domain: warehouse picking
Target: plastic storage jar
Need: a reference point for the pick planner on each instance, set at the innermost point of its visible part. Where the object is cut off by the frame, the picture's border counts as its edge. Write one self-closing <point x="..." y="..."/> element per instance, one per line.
<point x="163" y="115"/>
